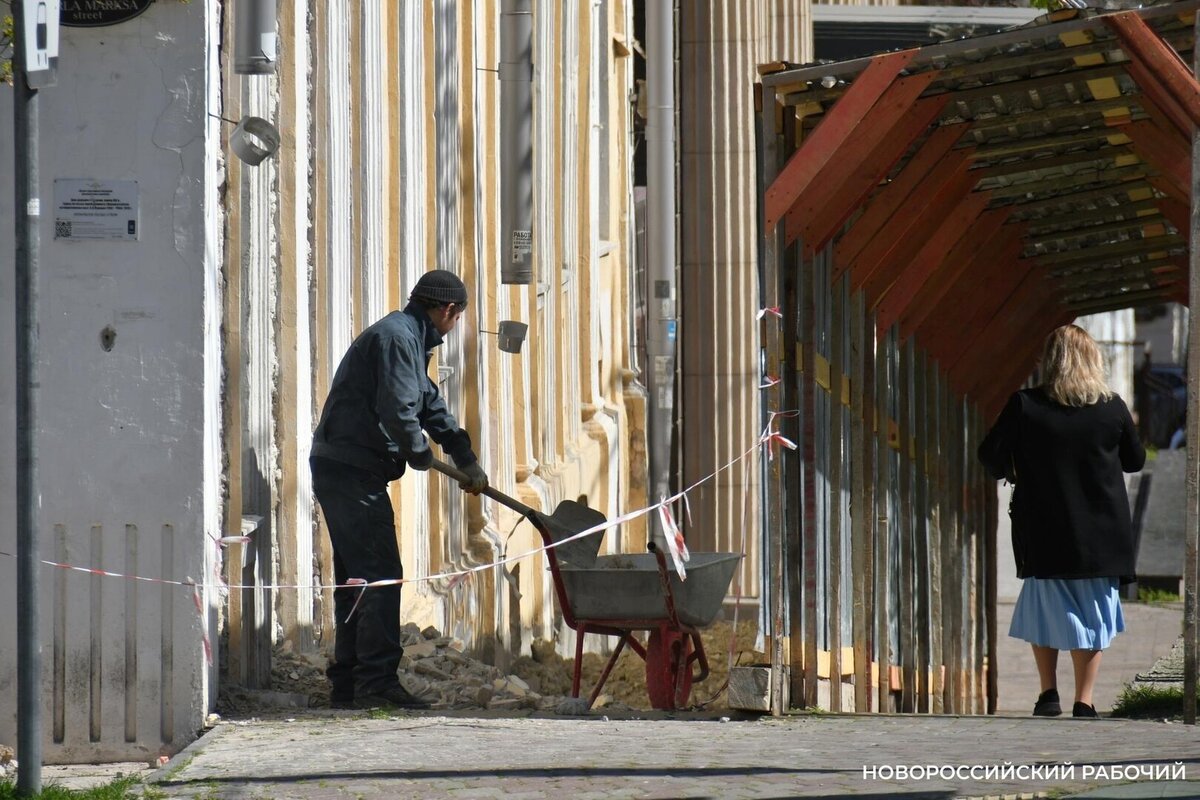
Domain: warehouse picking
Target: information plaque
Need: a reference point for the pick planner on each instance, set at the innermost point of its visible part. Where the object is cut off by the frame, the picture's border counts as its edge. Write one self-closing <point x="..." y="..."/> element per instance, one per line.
<point x="95" y="210"/>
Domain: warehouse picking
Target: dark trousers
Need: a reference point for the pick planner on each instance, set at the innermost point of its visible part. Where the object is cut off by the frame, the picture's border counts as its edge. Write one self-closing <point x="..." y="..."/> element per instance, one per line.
<point x="362" y="529"/>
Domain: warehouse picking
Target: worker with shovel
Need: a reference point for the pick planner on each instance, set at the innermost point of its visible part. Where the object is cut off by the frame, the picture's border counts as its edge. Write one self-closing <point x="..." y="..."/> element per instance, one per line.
<point x="380" y="406"/>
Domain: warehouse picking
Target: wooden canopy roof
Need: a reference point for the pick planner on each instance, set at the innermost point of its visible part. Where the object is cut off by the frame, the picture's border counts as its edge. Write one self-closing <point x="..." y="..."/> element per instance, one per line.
<point x="983" y="191"/>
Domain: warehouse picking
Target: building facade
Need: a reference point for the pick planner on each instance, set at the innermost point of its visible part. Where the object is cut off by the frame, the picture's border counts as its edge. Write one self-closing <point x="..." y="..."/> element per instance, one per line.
<point x="182" y="368"/>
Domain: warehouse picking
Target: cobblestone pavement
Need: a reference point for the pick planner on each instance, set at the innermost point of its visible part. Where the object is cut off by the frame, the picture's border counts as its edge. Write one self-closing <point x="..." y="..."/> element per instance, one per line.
<point x="661" y="756"/>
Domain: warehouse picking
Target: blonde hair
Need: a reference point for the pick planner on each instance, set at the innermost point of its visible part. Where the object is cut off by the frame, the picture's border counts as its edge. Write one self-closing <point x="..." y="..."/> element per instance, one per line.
<point x="1073" y="368"/>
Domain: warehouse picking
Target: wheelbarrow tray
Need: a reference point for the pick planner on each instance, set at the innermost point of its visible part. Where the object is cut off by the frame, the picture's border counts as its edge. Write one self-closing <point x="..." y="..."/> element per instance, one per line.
<point x="629" y="587"/>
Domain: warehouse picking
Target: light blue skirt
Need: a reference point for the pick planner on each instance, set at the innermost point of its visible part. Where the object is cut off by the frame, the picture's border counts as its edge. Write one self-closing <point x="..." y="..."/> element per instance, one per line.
<point x="1068" y="614"/>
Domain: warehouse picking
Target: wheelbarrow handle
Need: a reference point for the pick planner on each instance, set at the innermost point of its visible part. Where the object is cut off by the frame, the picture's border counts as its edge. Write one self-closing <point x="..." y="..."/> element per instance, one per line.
<point x="492" y="492"/>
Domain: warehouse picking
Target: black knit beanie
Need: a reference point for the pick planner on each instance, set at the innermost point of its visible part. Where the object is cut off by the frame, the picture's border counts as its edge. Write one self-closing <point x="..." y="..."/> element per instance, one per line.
<point x="441" y="285"/>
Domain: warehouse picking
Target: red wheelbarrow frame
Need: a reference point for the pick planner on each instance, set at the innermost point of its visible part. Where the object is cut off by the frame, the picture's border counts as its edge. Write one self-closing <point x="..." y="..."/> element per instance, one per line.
<point x="669" y="663"/>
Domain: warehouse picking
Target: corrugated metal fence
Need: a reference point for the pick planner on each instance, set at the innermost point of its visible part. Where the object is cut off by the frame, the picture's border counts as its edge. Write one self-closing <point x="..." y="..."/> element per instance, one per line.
<point x="882" y="518"/>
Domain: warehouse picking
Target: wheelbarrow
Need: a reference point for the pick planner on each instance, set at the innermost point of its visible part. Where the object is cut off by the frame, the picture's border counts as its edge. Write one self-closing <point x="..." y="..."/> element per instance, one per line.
<point x="617" y="595"/>
<point x="621" y="594"/>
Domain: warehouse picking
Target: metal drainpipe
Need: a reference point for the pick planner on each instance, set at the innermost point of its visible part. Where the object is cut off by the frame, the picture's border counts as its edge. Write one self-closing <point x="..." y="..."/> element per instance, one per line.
<point x="254" y="37"/>
<point x="516" y="141"/>
<point x="660" y="234"/>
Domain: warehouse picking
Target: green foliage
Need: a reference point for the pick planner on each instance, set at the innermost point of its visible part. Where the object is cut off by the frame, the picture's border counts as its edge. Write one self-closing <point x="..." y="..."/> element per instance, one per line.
<point x="1147" y="594"/>
<point x="1046" y="5"/>
<point x="6" y="43"/>
<point x="126" y="788"/>
<point x="1149" y="702"/>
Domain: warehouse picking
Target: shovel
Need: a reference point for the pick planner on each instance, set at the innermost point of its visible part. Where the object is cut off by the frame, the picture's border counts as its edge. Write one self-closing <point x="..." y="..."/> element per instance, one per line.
<point x="568" y="519"/>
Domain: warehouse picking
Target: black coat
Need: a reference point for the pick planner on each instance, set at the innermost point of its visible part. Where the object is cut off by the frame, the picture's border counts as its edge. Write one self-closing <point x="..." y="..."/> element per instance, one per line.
<point x="1070" y="510"/>
<point x="382" y="398"/>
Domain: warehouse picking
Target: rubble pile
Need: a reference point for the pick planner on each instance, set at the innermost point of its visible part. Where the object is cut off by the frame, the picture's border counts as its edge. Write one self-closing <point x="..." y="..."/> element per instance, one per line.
<point x="435" y="668"/>
<point x="8" y="763"/>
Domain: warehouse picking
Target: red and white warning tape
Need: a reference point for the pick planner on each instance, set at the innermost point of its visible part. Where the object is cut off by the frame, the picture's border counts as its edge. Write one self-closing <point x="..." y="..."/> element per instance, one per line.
<point x="769" y="439"/>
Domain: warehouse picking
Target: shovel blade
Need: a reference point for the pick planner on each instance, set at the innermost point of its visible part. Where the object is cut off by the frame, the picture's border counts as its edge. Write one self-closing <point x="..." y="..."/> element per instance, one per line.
<point x="568" y="519"/>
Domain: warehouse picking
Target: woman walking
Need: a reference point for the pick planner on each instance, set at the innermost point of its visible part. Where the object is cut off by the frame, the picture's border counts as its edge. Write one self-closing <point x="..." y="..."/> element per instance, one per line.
<point x="1065" y="445"/>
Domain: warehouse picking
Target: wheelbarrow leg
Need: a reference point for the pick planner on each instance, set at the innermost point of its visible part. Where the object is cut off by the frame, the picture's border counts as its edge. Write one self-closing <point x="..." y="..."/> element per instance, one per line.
<point x="612" y="662"/>
<point x="685" y="678"/>
<point x="579" y="634"/>
<point x="698" y="655"/>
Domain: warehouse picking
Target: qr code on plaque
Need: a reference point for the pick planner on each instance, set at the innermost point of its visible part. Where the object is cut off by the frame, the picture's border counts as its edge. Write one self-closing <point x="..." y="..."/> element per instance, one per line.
<point x="62" y="229"/>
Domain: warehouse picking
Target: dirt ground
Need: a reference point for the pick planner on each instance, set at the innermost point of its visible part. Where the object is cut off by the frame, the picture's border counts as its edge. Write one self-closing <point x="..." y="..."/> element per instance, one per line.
<point x="298" y="680"/>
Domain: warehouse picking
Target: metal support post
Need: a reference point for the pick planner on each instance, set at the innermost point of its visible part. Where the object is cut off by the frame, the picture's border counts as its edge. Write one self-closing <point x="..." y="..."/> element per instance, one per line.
<point x="28" y="213"/>
<point x="1192" y="476"/>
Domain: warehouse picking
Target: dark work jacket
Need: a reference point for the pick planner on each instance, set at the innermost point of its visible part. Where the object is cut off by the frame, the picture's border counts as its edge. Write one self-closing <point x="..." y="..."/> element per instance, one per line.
<point x="382" y="397"/>
<point x="1070" y="510"/>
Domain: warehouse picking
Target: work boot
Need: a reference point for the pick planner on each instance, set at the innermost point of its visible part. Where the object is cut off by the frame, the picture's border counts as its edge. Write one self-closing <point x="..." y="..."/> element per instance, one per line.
<point x="339" y="700"/>
<point x="394" y="697"/>
<point x="1047" y="704"/>
<point x="1084" y="710"/>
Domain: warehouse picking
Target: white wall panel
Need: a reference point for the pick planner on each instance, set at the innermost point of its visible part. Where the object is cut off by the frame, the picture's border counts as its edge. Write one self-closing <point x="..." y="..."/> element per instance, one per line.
<point x="124" y="432"/>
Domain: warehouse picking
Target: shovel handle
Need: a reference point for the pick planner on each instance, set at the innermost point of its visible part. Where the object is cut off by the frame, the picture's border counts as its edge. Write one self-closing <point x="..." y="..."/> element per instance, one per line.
<point x="492" y="492"/>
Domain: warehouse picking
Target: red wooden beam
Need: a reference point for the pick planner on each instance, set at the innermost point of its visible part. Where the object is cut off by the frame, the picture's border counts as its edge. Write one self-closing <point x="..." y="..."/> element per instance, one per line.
<point x="831" y="132"/>
<point x="1176" y="120"/>
<point x="984" y="239"/>
<point x="911" y="226"/>
<point x="1019" y="360"/>
<point x="1166" y="152"/>
<point x="1177" y="212"/>
<point x="874" y="147"/>
<point x="867" y="227"/>
<point x="1145" y="47"/>
<point x="977" y="293"/>
<point x="984" y="295"/>
<point x="1009" y="375"/>
<point x="992" y="403"/>
<point x="1023" y="315"/>
<point x="997" y="331"/>
<point x="1182" y="295"/>
<point x="1008" y="325"/>
<point x="1157" y="102"/>
<point x="926" y="263"/>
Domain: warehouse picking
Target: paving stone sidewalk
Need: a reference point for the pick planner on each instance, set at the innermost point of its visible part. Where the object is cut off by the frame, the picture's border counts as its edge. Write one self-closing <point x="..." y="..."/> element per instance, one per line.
<point x="670" y="756"/>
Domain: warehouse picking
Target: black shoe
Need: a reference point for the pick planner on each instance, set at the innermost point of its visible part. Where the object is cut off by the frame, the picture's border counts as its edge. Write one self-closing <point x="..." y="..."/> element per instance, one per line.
<point x="1084" y="710"/>
<point x="341" y="701"/>
<point x="395" y="697"/>
<point x="1047" y="704"/>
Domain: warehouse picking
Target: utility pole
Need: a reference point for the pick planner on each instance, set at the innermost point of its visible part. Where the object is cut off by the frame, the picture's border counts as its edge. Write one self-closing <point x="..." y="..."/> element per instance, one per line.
<point x="35" y="58"/>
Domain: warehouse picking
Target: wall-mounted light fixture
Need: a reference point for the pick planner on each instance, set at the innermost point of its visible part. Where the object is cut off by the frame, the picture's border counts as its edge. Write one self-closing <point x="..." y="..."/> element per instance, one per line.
<point x="511" y="335"/>
<point x="253" y="139"/>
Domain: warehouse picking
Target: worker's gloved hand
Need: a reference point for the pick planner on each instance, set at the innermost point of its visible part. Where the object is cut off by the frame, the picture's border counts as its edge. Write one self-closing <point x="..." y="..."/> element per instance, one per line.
<point x="421" y="459"/>
<point x="476" y="479"/>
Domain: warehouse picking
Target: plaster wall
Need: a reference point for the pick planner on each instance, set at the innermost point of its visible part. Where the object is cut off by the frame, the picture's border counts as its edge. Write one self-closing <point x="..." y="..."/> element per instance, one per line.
<point x="126" y="439"/>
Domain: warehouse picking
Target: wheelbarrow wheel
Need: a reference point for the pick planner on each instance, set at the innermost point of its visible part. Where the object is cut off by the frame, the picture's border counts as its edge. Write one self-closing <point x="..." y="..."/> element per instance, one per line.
<point x="668" y="670"/>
